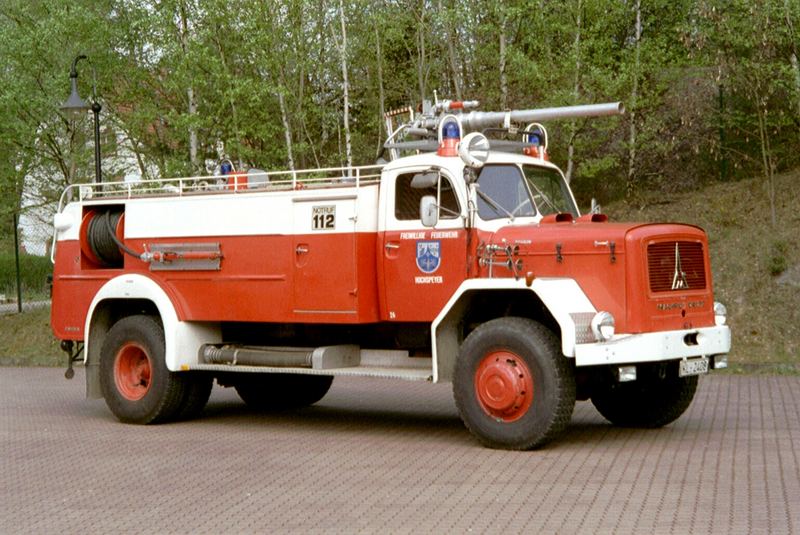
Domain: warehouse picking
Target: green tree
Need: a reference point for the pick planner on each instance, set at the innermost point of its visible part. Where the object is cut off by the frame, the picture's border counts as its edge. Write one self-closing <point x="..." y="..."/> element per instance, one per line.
<point x="753" y="46"/>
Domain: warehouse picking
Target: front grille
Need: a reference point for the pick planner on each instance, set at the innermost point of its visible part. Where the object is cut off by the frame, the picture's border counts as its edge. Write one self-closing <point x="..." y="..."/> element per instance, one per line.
<point x="669" y="271"/>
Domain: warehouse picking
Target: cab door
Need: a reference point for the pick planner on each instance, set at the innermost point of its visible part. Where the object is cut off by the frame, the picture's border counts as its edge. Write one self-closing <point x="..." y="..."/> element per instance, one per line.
<point x="422" y="267"/>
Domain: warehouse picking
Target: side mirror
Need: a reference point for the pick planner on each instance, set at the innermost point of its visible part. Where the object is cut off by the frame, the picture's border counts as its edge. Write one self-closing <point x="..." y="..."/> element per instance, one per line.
<point x="474" y="150"/>
<point x="428" y="211"/>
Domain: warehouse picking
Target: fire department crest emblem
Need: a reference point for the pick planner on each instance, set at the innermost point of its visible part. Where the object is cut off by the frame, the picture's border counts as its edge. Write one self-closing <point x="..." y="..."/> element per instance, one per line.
<point x="428" y="255"/>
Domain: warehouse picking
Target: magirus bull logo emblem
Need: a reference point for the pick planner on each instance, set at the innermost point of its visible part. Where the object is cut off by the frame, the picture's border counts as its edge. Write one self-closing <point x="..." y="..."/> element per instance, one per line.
<point x="428" y="255"/>
<point x="679" y="281"/>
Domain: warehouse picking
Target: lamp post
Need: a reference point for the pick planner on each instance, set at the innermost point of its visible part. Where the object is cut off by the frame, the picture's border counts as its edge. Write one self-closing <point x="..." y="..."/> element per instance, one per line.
<point x="75" y="106"/>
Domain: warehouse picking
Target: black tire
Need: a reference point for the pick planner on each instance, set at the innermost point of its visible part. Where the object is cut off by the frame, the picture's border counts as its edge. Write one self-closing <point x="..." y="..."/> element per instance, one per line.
<point x="497" y="365"/>
<point x="654" y="399"/>
<point x="198" y="390"/>
<point x="279" y="391"/>
<point x="135" y="381"/>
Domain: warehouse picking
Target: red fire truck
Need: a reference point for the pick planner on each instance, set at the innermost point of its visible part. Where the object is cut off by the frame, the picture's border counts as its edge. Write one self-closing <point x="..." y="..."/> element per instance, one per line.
<point x="460" y="258"/>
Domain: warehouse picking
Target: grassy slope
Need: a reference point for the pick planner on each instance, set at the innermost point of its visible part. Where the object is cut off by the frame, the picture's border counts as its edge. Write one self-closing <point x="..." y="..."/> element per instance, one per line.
<point x="28" y="340"/>
<point x="745" y="249"/>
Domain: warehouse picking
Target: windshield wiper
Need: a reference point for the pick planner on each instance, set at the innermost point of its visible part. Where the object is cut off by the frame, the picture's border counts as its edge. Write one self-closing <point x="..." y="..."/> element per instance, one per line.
<point x="493" y="204"/>
<point x="544" y="197"/>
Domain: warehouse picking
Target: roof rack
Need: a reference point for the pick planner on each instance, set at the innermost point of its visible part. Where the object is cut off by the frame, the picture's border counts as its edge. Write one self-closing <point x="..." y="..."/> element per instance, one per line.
<point x="233" y="183"/>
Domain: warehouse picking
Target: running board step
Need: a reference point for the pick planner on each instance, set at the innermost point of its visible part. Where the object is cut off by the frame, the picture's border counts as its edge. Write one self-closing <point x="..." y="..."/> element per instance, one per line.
<point x="414" y="373"/>
<point x="319" y="358"/>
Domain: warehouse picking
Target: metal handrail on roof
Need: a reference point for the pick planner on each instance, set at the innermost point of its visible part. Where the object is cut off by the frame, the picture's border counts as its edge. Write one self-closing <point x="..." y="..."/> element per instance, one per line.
<point x="233" y="183"/>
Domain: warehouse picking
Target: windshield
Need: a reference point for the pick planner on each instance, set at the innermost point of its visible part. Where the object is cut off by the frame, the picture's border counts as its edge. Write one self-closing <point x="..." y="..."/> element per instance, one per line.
<point x="504" y="191"/>
<point x="550" y="192"/>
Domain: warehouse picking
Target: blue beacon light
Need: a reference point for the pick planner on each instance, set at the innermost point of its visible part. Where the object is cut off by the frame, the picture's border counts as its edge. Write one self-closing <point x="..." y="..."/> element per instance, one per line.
<point x="451" y="135"/>
<point x="451" y="131"/>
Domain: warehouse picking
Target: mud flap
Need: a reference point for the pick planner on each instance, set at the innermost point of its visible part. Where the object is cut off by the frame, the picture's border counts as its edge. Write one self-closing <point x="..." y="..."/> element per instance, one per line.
<point x="93" y="380"/>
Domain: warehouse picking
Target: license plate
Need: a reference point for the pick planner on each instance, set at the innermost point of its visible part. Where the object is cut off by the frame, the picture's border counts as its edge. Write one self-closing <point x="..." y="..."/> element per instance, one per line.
<point x="693" y="367"/>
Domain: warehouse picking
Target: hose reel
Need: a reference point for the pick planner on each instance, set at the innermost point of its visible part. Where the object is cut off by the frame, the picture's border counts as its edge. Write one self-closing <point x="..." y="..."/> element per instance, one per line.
<point x="100" y="237"/>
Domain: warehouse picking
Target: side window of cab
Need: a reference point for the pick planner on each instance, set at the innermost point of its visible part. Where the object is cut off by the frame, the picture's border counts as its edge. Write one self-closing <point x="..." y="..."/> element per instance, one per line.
<point x="407" y="199"/>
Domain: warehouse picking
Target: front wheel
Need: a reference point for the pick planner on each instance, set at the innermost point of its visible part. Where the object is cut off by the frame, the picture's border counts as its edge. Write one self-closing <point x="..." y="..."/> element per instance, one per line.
<point x="134" y="378"/>
<point x="512" y="386"/>
<point x="657" y="398"/>
<point x="198" y="390"/>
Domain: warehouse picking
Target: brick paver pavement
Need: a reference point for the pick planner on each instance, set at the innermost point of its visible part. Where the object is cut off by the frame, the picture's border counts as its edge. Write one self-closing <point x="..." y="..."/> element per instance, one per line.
<point x="379" y="456"/>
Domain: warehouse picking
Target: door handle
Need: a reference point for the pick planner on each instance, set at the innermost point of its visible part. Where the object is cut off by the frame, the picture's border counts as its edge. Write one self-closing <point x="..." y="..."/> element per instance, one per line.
<point x="301" y="249"/>
<point x="391" y="245"/>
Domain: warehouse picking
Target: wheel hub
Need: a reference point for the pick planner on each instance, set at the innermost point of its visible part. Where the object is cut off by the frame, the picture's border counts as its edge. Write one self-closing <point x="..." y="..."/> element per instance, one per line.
<point x="504" y="386"/>
<point x="132" y="371"/>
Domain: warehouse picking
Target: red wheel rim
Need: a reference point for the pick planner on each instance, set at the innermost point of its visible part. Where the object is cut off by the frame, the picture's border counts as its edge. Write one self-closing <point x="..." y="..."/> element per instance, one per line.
<point x="132" y="371"/>
<point x="504" y="386"/>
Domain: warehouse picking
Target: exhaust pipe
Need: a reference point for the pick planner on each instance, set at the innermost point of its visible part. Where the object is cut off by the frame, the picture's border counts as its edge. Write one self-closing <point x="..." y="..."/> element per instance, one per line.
<point x="278" y="357"/>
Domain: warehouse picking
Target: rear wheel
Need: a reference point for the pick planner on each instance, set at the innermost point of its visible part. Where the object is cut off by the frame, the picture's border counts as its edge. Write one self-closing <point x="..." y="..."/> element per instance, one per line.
<point x="512" y="386"/>
<point x="135" y="381"/>
<point x="276" y="391"/>
<point x="657" y="397"/>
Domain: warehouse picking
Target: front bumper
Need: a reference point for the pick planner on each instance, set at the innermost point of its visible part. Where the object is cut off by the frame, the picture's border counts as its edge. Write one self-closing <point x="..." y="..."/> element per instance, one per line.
<point x="655" y="347"/>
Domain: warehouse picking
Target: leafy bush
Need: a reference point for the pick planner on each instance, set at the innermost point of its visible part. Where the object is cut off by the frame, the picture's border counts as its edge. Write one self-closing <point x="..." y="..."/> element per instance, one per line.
<point x="33" y="274"/>
<point x="778" y="263"/>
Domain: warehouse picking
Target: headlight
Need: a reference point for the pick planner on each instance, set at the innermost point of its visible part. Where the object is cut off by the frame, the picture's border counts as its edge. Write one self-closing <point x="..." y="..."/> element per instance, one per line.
<point x="720" y="313"/>
<point x="603" y="326"/>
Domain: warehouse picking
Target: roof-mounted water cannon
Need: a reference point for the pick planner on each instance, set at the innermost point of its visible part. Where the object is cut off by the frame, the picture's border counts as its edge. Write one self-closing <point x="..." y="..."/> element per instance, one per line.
<point x="444" y="106"/>
<point x="451" y="105"/>
<point x="477" y="120"/>
<point x="425" y="131"/>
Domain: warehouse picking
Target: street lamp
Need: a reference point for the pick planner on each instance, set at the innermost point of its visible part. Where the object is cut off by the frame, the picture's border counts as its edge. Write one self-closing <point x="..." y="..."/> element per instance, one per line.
<point x="75" y="106"/>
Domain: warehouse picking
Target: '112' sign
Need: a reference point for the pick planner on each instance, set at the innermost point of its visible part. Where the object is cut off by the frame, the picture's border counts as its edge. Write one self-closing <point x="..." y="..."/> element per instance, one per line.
<point x="323" y="217"/>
